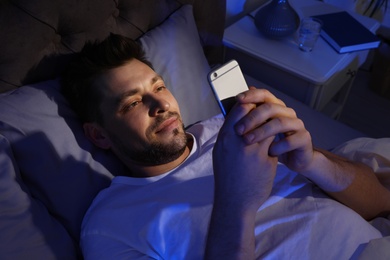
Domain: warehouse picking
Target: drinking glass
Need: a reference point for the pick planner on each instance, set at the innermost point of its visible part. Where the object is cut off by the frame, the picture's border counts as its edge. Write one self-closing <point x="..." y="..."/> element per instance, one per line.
<point x="308" y="33"/>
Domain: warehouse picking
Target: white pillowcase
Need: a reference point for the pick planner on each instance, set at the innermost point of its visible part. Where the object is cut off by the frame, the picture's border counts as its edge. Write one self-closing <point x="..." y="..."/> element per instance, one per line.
<point x="176" y="53"/>
<point x="27" y="230"/>
<point x="61" y="170"/>
<point x="59" y="167"/>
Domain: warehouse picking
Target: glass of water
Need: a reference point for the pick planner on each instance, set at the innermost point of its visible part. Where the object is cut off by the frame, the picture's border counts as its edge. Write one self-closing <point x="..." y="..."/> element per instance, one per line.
<point x="308" y="33"/>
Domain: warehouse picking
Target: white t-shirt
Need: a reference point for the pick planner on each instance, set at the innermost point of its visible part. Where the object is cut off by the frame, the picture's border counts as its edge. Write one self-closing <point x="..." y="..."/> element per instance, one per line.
<point x="167" y="217"/>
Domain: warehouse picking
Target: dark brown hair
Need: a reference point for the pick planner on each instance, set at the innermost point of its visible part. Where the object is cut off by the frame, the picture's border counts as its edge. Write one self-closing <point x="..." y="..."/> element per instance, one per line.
<point x="77" y="83"/>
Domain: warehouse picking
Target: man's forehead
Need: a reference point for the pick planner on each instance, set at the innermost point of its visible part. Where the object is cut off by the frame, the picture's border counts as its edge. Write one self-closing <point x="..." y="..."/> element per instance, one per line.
<point x="131" y="75"/>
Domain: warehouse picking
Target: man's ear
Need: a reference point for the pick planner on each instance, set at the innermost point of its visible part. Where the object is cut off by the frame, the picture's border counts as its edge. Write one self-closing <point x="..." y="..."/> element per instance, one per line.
<point x="96" y="134"/>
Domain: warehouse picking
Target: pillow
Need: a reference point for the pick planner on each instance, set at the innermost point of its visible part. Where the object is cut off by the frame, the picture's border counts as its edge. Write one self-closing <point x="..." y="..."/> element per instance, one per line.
<point x="60" y="170"/>
<point x="175" y="51"/>
<point x="27" y="228"/>
<point x="60" y="167"/>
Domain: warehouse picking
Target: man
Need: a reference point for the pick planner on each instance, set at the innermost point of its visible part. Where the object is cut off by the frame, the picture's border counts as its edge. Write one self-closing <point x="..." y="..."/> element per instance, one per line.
<point x="216" y="191"/>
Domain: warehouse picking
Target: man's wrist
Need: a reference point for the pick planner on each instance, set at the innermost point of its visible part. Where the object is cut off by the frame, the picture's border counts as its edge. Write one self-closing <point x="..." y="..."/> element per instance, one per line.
<point x="231" y="231"/>
<point x="325" y="170"/>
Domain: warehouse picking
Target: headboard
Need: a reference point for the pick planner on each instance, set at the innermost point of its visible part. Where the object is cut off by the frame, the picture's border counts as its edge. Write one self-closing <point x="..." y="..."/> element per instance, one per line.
<point x="38" y="37"/>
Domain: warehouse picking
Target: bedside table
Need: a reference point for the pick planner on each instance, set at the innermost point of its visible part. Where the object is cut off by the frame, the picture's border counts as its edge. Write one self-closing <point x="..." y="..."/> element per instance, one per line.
<point x="321" y="78"/>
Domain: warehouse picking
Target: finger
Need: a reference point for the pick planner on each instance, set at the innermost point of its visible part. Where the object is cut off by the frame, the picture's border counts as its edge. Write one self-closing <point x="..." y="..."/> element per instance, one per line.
<point x="258" y="96"/>
<point x="237" y="112"/>
<point x="297" y="141"/>
<point x="262" y="114"/>
<point x="274" y="127"/>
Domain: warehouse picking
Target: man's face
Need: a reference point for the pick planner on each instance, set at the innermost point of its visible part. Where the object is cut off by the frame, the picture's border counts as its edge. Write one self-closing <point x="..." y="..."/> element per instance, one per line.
<point x="141" y="117"/>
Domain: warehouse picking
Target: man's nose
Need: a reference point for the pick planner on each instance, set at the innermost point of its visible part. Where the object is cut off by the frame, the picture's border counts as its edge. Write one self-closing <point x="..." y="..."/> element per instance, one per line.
<point x="159" y="105"/>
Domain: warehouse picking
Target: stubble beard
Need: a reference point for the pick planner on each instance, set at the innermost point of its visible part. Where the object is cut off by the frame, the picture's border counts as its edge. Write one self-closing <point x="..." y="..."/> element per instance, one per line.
<point x="156" y="152"/>
<point x="160" y="153"/>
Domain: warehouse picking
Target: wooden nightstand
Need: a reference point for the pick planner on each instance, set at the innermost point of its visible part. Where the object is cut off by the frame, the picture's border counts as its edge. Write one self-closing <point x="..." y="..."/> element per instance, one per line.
<point x="321" y="78"/>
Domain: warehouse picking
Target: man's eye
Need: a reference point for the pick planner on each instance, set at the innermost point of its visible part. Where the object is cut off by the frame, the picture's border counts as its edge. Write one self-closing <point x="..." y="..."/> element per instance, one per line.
<point x="133" y="104"/>
<point x="160" y="88"/>
<point x="129" y="106"/>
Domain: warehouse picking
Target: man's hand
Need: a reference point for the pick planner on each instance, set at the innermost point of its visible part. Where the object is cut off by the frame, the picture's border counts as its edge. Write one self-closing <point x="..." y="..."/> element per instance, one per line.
<point x="244" y="174"/>
<point x="243" y="171"/>
<point x="271" y="118"/>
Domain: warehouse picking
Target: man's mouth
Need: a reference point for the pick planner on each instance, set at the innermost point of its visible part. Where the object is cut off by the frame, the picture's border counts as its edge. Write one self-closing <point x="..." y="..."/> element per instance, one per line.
<point x="168" y="125"/>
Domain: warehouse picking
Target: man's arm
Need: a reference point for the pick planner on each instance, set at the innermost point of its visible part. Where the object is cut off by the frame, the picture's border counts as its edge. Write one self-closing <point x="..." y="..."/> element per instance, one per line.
<point x="241" y="187"/>
<point x="351" y="183"/>
<point x="244" y="170"/>
<point x="257" y="119"/>
<point x="231" y="231"/>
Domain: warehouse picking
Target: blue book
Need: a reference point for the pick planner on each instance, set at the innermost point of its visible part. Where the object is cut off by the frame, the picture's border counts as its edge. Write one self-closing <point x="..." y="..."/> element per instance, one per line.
<point x="346" y="34"/>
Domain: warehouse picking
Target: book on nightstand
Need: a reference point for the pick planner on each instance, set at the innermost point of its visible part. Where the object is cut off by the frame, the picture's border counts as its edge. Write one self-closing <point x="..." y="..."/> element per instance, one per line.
<point x="346" y="34"/>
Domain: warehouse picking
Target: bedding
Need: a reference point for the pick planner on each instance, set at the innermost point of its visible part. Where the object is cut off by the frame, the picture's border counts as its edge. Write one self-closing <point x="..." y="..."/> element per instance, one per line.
<point x="51" y="152"/>
<point x="27" y="228"/>
<point x="374" y="153"/>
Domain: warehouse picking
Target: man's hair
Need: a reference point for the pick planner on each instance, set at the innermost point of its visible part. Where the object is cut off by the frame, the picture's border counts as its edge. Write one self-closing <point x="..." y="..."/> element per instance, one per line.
<point x="78" y="80"/>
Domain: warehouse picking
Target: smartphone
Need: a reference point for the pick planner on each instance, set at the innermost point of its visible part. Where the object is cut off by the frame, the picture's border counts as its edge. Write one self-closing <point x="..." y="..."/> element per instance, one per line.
<point x="227" y="81"/>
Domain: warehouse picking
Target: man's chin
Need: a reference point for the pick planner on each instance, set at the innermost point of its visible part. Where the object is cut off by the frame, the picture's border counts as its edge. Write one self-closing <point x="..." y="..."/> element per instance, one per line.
<point x="174" y="136"/>
<point x="167" y="150"/>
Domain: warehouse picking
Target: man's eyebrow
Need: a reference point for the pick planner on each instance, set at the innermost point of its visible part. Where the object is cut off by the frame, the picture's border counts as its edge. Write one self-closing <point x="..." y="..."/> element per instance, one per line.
<point x="127" y="94"/>
<point x="157" y="78"/>
<point x="132" y="92"/>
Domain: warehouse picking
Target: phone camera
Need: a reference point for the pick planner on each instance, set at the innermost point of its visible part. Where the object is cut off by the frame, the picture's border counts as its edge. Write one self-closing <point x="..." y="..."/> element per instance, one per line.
<point x="215" y="74"/>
